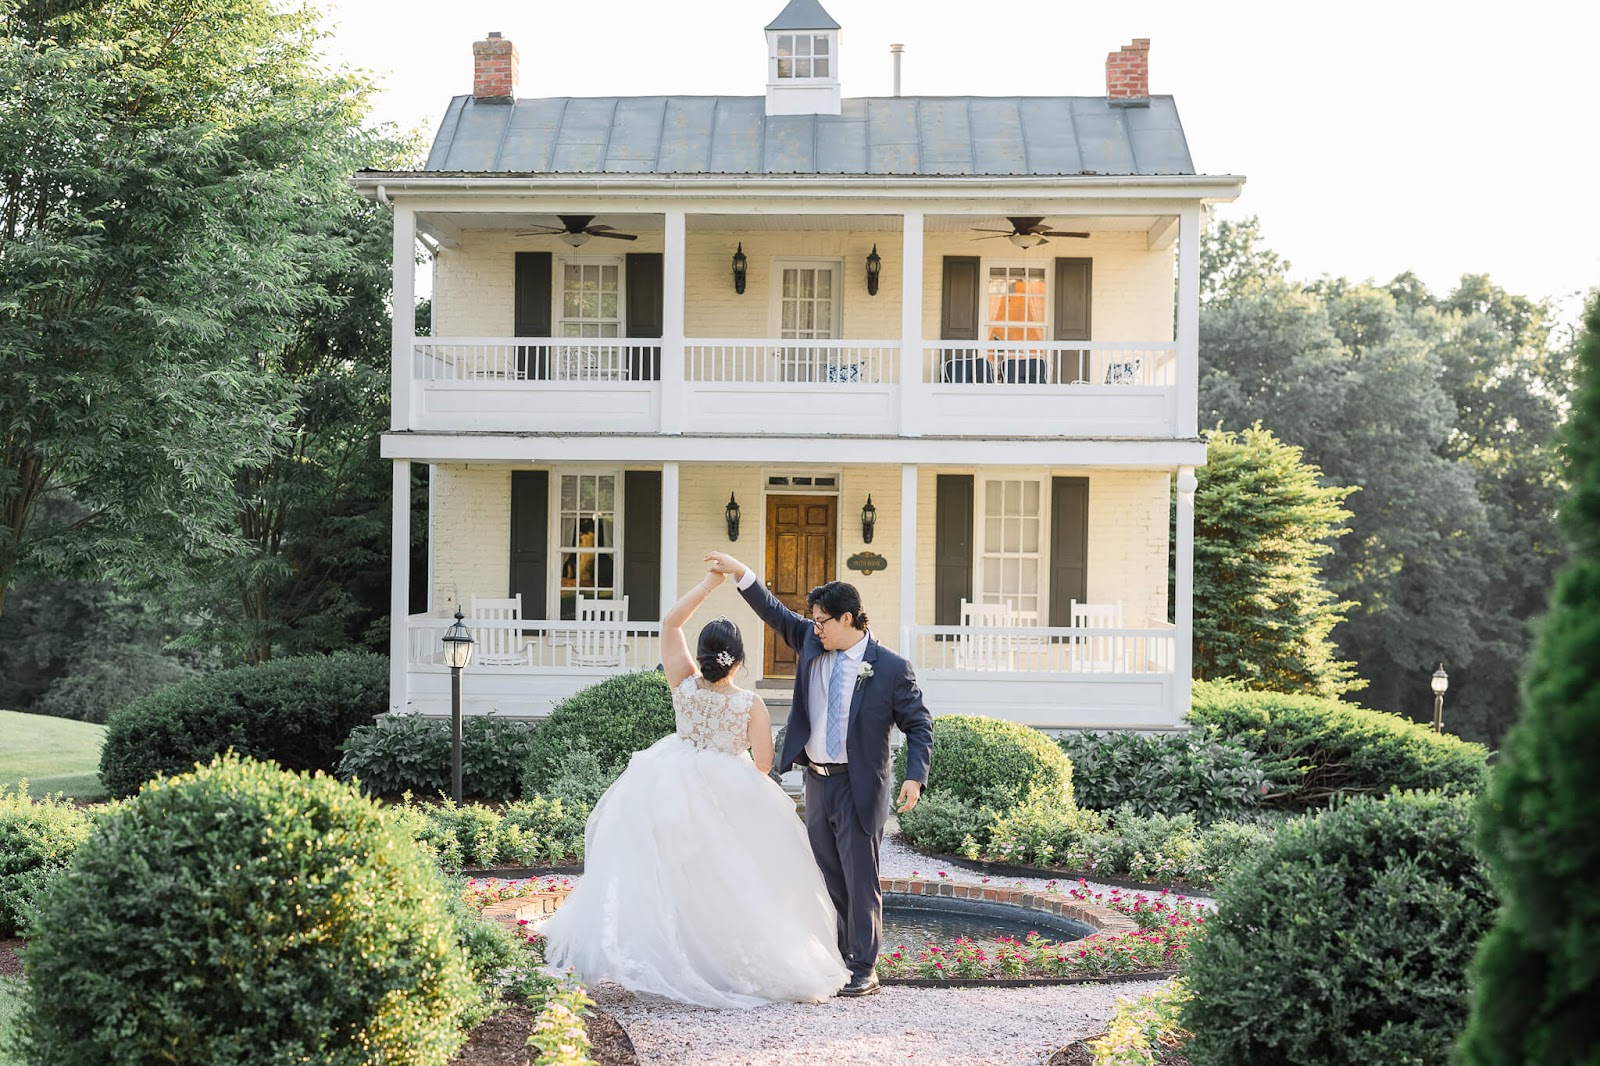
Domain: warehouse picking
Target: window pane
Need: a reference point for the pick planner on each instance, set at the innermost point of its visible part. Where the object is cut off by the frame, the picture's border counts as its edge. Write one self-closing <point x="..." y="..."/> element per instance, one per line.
<point x="819" y="68"/>
<point x="1030" y="497"/>
<point x="791" y="283"/>
<point x="785" y="44"/>
<point x="991" y="497"/>
<point x="802" y="46"/>
<point x="1011" y="541"/>
<point x="802" y="68"/>
<point x="819" y="45"/>
<point x="808" y="283"/>
<point x="824" y="317"/>
<point x="608" y="493"/>
<point x="785" y="68"/>
<point x="608" y="277"/>
<point x="1013" y="497"/>
<point x="991" y="534"/>
<point x="569" y="492"/>
<point x="788" y="315"/>
<point x="586" y="493"/>
<point x="1030" y="535"/>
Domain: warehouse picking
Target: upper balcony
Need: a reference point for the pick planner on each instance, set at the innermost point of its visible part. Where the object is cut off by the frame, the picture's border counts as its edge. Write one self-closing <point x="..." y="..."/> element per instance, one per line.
<point x="785" y="324"/>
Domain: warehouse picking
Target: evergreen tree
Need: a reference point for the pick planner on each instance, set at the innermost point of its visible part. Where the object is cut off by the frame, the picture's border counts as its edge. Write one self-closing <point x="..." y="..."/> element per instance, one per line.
<point x="1261" y="612"/>
<point x="1536" y="994"/>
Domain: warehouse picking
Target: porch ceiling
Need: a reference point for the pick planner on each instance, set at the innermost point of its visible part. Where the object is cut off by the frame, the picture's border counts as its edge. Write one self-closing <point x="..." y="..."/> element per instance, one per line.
<point x="752" y="223"/>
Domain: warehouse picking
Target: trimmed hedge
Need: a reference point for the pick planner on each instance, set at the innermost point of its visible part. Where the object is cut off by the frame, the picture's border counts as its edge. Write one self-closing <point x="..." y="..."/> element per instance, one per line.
<point x="258" y="916"/>
<point x="1344" y="940"/>
<point x="294" y="711"/>
<point x="1318" y="750"/>
<point x="612" y="720"/>
<point x="411" y="753"/>
<point x="1197" y="773"/>
<point x="989" y="762"/>
<point x="37" y="838"/>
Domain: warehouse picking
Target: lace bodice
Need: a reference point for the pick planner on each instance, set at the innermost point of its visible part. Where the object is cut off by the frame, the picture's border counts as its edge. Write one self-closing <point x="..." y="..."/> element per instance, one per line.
<point x="719" y="721"/>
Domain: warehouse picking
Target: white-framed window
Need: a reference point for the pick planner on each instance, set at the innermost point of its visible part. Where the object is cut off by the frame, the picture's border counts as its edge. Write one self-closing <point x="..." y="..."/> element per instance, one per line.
<point x="587" y="519"/>
<point x="806" y="300"/>
<point x="804" y="55"/>
<point x="588" y="299"/>
<point x="1011" y="539"/>
<point x="1014" y="301"/>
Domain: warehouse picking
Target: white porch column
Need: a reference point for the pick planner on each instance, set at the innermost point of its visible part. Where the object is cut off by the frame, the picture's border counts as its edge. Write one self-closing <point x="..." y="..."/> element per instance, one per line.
<point x="1189" y="322"/>
<point x="402" y="316"/>
<point x="1183" y="595"/>
<point x="400" y="586"/>
<point x="908" y="556"/>
<point x="912" y="392"/>
<point x="669" y="535"/>
<point x="673" y="272"/>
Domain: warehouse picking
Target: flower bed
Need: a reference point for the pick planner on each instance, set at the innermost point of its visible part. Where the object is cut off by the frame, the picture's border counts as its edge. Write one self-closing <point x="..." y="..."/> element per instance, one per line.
<point x="1140" y="935"/>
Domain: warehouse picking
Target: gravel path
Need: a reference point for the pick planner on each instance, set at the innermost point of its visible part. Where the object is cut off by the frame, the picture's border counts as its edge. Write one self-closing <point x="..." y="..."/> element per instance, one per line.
<point x="929" y="1026"/>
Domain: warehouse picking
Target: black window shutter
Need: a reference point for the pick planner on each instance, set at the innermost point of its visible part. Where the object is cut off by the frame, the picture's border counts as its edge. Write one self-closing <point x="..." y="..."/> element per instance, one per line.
<point x="644" y="314"/>
<point x="952" y="547"/>
<point x="530" y="538"/>
<point x="641" y="543"/>
<point x="531" y="312"/>
<point x="1074" y="284"/>
<point x="959" y="317"/>
<point x="1069" y="546"/>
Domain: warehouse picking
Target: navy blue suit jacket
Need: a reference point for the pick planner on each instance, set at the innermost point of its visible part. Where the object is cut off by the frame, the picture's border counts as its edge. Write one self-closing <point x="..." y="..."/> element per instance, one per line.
<point x="889" y="698"/>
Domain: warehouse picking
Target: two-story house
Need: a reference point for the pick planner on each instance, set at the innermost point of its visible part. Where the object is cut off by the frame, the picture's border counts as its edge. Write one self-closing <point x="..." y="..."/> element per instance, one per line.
<point x="942" y="347"/>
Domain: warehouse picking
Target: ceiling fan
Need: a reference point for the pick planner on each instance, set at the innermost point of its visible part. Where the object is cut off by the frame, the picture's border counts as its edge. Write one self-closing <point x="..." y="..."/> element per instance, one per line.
<point x="1025" y="232"/>
<point x="575" y="229"/>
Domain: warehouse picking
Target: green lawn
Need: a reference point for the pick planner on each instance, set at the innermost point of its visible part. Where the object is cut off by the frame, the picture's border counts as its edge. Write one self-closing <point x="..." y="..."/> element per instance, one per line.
<point x="54" y="754"/>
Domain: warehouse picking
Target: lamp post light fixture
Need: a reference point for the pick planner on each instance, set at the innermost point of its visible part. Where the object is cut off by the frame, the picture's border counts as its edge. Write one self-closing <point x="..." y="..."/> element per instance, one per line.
<point x="869" y="518"/>
<point x="741" y="265"/>
<point x="457" y="654"/>
<point x="731" y="513"/>
<point x="874" y="268"/>
<point x="1441" y="681"/>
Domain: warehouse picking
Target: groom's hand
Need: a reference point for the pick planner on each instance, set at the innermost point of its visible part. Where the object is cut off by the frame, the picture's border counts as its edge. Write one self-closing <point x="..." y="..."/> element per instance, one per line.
<point x="723" y="563"/>
<point x="910" y="792"/>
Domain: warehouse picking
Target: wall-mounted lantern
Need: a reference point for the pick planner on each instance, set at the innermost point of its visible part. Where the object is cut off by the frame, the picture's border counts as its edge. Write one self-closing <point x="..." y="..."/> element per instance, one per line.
<point x="731" y="513"/>
<point x="874" y="268"/>
<point x="741" y="266"/>
<point x="869" y="518"/>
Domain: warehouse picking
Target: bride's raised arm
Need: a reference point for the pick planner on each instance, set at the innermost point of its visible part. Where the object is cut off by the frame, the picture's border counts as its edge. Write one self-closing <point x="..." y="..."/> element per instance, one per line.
<point x="676" y="659"/>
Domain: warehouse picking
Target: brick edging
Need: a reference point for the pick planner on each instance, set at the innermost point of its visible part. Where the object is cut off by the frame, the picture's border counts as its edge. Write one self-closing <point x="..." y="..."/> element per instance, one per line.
<point x="1100" y="919"/>
<point x="512" y="912"/>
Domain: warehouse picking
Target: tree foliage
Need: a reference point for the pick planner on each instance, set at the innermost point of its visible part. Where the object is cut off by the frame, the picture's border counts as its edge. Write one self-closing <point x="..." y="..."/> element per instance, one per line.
<point x="1537" y="978"/>
<point x="1441" y="412"/>
<point x="154" y="191"/>
<point x="1262" y="524"/>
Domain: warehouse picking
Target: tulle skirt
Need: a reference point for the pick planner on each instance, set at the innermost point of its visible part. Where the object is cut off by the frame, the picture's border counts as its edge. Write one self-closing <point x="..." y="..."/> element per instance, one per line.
<point x="699" y="885"/>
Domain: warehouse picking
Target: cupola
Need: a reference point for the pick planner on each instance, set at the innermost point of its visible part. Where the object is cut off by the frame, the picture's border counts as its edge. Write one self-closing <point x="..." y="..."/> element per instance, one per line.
<point x="803" y="61"/>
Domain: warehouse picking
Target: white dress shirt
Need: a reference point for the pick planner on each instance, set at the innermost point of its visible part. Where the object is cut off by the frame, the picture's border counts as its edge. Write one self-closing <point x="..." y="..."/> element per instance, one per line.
<point x="817" y="688"/>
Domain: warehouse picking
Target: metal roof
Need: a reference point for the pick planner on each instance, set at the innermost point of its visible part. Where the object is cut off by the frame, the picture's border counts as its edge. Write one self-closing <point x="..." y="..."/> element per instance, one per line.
<point x="900" y="135"/>
<point x="803" y="15"/>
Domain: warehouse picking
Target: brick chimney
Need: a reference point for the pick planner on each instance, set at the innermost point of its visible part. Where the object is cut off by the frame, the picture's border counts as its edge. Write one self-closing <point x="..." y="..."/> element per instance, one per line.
<point x="494" y="70"/>
<point x="1128" y="75"/>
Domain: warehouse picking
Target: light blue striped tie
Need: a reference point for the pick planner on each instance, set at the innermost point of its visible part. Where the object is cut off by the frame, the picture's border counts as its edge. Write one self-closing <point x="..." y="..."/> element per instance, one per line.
<point x="836" y="710"/>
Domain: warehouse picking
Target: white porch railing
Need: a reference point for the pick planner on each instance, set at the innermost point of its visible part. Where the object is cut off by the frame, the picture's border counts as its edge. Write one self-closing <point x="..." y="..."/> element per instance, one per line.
<point x="539" y="644"/>
<point x="535" y="359"/>
<point x="1024" y="363"/>
<point x="841" y="363"/>
<point x="1043" y="650"/>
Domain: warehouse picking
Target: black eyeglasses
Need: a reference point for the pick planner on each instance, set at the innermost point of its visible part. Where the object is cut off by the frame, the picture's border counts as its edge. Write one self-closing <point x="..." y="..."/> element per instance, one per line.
<point x="818" y="623"/>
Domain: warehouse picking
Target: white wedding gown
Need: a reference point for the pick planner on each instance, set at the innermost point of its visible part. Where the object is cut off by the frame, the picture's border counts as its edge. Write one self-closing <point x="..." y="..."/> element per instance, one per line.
<point x="698" y="881"/>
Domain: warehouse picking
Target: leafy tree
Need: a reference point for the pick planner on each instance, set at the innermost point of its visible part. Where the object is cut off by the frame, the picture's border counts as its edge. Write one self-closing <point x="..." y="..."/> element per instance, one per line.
<point x="152" y="245"/>
<point x="1537" y="982"/>
<point x="1262" y="523"/>
<point x="1441" y="412"/>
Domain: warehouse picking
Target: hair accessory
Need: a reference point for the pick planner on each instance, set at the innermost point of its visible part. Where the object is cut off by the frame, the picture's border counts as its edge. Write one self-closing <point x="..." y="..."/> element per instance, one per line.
<point x="724" y="659"/>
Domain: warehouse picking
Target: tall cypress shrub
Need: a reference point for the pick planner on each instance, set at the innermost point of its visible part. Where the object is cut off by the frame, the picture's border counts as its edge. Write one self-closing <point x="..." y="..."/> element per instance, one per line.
<point x="1536" y="978"/>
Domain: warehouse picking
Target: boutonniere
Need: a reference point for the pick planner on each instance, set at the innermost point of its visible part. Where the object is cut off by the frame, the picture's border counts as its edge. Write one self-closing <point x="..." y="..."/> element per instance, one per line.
<point x="863" y="671"/>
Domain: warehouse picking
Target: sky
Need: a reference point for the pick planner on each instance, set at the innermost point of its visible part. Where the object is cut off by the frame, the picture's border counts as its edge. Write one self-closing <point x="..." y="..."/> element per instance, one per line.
<point x="1375" y="137"/>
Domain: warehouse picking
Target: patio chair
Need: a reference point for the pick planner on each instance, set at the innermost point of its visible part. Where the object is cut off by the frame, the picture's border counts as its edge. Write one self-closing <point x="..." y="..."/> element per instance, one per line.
<point x="1094" y="652"/>
<point x="499" y="645"/>
<point x="600" y="639"/>
<point x="984" y="651"/>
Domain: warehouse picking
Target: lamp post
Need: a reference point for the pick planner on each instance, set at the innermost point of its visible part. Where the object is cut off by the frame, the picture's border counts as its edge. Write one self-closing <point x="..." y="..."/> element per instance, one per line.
<point x="1441" y="681"/>
<point x="457" y="654"/>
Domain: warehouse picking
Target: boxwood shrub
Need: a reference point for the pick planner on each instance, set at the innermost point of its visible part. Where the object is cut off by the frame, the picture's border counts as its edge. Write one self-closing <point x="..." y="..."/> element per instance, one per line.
<point x="1317" y="750"/>
<point x="37" y="838"/>
<point x="611" y="720"/>
<point x="241" y="914"/>
<point x="1198" y="773"/>
<point x="294" y="711"/>
<point x="411" y="753"/>
<point x="986" y="761"/>
<point x="1346" y="939"/>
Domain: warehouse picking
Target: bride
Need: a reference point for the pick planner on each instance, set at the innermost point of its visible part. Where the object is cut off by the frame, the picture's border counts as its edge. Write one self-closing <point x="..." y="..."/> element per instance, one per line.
<point x="698" y="882"/>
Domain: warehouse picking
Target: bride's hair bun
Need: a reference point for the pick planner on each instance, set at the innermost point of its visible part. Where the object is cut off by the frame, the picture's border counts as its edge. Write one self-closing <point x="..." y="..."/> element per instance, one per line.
<point x="720" y="649"/>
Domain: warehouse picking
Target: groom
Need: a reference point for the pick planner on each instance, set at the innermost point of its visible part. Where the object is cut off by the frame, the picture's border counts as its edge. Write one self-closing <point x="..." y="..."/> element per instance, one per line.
<point x="849" y="692"/>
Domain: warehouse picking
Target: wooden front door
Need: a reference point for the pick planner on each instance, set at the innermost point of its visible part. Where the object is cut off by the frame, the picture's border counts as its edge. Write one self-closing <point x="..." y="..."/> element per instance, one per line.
<point x="800" y="556"/>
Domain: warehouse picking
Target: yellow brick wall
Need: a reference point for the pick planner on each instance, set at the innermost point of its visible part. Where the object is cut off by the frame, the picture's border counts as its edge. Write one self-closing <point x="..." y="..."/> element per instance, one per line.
<point x="471" y="533"/>
<point x="1133" y="287"/>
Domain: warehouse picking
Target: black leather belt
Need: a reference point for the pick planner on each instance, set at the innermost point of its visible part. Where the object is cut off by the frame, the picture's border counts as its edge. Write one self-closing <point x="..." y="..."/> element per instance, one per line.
<point x="827" y="769"/>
